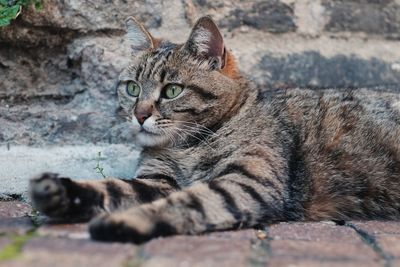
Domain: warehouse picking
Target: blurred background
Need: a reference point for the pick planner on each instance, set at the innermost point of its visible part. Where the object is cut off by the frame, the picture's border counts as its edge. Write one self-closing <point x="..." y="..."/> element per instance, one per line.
<point x="59" y="67"/>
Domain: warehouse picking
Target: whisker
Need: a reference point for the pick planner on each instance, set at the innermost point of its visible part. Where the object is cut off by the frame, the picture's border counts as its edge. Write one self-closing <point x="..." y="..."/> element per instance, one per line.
<point x="202" y="127"/>
<point x="190" y="134"/>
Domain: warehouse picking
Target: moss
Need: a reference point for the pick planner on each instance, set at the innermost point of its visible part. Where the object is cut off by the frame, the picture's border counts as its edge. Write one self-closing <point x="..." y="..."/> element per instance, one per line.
<point x="13" y="250"/>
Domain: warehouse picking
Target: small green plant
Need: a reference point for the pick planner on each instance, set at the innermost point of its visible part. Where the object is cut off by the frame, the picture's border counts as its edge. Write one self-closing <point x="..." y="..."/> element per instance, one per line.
<point x="10" y="9"/>
<point x="98" y="168"/>
<point x="35" y="217"/>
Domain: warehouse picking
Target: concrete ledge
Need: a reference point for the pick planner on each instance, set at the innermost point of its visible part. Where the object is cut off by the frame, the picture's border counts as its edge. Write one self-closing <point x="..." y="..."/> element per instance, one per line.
<point x="20" y="163"/>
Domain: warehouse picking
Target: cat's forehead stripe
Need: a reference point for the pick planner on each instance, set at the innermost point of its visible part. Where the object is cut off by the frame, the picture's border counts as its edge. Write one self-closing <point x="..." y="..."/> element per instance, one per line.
<point x="154" y="63"/>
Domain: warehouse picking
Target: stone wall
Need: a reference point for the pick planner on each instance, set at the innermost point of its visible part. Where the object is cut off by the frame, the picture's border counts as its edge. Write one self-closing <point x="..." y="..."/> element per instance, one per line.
<point x="59" y="66"/>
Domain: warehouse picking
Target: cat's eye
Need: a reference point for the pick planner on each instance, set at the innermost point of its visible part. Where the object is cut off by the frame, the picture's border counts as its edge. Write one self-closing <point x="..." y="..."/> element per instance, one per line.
<point x="172" y="91"/>
<point x="132" y="89"/>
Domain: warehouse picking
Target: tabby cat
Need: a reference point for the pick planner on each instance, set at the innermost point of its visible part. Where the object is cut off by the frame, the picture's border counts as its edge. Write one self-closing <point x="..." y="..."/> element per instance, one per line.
<point x="219" y="154"/>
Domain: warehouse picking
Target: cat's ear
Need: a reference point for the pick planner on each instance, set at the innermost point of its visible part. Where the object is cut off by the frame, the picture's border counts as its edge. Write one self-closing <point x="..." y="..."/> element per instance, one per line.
<point x="140" y="39"/>
<point x="206" y="41"/>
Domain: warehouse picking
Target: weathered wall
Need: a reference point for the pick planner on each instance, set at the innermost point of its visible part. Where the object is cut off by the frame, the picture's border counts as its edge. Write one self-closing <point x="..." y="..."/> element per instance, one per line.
<point x="58" y="67"/>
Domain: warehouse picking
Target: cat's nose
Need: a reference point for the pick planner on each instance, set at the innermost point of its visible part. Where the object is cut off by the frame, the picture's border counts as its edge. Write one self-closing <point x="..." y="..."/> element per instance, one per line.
<point x="143" y="111"/>
<point x="141" y="117"/>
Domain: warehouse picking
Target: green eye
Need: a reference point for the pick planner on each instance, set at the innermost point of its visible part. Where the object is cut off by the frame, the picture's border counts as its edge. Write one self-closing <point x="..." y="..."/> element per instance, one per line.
<point x="172" y="91"/>
<point x="132" y="89"/>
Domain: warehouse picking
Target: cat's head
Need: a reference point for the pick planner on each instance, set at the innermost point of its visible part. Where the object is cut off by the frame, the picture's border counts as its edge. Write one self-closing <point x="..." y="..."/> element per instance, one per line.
<point x="175" y="92"/>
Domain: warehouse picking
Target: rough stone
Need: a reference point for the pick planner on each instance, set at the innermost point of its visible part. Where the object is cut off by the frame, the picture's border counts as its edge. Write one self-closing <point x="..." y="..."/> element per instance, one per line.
<point x="93" y="16"/>
<point x="371" y="17"/>
<point x="270" y="16"/>
<point x="72" y="96"/>
<point x="310" y="69"/>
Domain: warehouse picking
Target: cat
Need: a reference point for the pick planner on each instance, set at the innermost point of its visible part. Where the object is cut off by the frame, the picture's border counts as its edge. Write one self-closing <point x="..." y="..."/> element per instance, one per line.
<point x="219" y="154"/>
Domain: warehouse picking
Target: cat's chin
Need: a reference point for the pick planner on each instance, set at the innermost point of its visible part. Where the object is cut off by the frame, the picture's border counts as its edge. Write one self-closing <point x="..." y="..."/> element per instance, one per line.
<point x="146" y="139"/>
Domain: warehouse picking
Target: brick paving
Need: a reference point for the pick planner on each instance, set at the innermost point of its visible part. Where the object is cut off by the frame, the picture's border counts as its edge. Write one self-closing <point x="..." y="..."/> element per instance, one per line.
<point x="371" y="243"/>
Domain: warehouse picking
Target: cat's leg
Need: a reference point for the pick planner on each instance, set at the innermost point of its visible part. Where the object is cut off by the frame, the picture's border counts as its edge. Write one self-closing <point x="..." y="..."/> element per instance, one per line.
<point x="228" y="202"/>
<point x="66" y="199"/>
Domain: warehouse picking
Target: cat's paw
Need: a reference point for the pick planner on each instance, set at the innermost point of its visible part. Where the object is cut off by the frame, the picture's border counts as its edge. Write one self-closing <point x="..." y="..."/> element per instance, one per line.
<point x="129" y="226"/>
<point x="49" y="195"/>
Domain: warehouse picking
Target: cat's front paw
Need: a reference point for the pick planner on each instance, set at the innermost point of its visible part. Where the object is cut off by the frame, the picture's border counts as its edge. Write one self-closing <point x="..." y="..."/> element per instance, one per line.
<point x="49" y="195"/>
<point x="129" y="226"/>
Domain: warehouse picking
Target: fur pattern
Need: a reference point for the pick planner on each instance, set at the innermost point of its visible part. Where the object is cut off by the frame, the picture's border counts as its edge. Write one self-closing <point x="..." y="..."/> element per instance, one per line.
<point x="224" y="155"/>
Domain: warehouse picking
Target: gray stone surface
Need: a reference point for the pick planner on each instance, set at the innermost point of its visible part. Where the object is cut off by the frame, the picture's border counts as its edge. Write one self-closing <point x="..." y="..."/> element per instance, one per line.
<point x="268" y="16"/>
<point x="310" y="69"/>
<point x="371" y="17"/>
<point x="20" y="163"/>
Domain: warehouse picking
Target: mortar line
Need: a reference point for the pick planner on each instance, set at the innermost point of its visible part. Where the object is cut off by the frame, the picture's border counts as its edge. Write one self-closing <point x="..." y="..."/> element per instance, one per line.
<point x="260" y="249"/>
<point x="371" y="242"/>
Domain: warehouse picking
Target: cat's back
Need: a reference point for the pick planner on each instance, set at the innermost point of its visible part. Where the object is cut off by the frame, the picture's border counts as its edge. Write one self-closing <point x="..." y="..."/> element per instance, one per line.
<point x="349" y="145"/>
<point x="375" y="103"/>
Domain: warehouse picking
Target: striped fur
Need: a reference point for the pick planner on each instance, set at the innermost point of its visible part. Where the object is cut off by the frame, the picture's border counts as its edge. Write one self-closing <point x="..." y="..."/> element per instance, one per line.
<point x="223" y="155"/>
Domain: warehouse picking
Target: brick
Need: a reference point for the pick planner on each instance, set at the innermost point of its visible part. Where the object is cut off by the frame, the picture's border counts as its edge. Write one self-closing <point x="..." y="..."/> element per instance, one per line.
<point x="284" y="262"/>
<point x="317" y="243"/>
<point x="390" y="244"/>
<point x="322" y="251"/>
<point x="313" y="231"/>
<point x="214" y="249"/>
<point x="386" y="235"/>
<point x="49" y="252"/>
<point x="379" y="227"/>
<point x="14" y="217"/>
<point x="4" y="241"/>
<point x="372" y="17"/>
<point x="16" y="225"/>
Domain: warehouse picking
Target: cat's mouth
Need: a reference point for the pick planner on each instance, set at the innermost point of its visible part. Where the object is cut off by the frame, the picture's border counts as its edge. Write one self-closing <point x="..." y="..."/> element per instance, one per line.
<point x="144" y="131"/>
<point x="150" y="138"/>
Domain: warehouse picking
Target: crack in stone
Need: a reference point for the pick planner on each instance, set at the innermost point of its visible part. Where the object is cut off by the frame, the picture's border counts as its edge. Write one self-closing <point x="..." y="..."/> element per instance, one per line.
<point x="370" y="241"/>
<point x="21" y="99"/>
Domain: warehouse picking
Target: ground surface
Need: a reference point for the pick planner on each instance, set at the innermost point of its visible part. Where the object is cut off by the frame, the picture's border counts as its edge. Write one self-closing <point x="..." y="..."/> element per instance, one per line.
<point x="19" y="163"/>
<point x="25" y="241"/>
